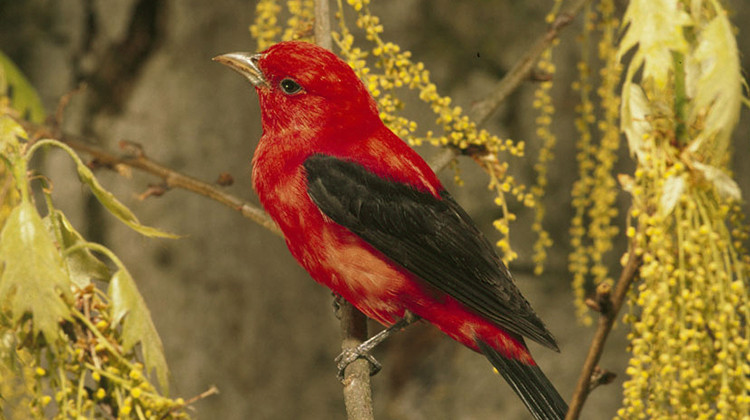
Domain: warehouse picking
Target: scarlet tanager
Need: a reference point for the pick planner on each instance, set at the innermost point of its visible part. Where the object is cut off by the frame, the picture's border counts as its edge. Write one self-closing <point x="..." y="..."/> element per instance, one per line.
<point x="364" y="214"/>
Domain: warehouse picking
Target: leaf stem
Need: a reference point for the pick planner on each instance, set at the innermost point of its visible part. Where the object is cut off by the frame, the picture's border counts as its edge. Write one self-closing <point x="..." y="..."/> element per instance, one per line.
<point x="680" y="98"/>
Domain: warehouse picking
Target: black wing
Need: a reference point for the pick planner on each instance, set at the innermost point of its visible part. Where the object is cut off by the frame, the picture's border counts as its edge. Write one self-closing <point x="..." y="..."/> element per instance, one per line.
<point x="530" y="384"/>
<point x="432" y="238"/>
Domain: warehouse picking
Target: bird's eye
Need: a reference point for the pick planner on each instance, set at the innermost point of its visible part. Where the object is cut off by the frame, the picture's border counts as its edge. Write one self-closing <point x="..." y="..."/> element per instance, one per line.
<point x="290" y="87"/>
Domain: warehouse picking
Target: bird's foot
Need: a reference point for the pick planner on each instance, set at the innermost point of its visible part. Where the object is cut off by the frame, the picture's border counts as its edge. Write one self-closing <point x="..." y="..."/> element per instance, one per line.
<point x="362" y="351"/>
<point x="350" y="355"/>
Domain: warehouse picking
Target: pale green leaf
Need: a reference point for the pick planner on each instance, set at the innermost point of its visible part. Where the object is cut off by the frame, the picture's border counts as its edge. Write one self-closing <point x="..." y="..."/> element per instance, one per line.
<point x="115" y="207"/>
<point x="10" y="132"/>
<point x="105" y="197"/>
<point x="33" y="278"/>
<point x="127" y="306"/>
<point x="23" y="96"/>
<point x="656" y="27"/>
<point x="725" y="185"/>
<point x="626" y="182"/>
<point x="635" y="111"/>
<point x="83" y="266"/>
<point x="11" y="166"/>
<point x="8" y="346"/>
<point x="714" y="81"/>
<point x="671" y="192"/>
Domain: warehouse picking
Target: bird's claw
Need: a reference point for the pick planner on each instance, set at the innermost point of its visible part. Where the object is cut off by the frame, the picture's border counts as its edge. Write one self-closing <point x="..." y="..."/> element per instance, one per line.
<point x="350" y="355"/>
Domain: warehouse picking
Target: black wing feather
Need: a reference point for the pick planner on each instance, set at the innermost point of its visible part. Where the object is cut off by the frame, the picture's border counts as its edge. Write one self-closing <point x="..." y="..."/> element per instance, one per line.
<point x="433" y="238"/>
<point x="530" y="384"/>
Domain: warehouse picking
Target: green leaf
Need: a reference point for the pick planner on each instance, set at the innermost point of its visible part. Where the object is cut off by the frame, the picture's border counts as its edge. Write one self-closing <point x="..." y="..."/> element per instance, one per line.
<point x="115" y="207"/>
<point x="635" y="123"/>
<point x="23" y="96"/>
<point x="127" y="306"/>
<point x="672" y="191"/>
<point x="10" y="192"/>
<point x="656" y="27"/>
<point x="10" y="132"/>
<point x="83" y="266"/>
<point x="108" y="200"/>
<point x="8" y="345"/>
<point x="714" y="81"/>
<point x="725" y="185"/>
<point x="33" y="277"/>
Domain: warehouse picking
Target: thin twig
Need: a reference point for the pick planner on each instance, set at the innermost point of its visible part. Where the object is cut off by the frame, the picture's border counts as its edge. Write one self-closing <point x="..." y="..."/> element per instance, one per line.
<point x="520" y="72"/>
<point x="609" y="305"/>
<point x="213" y="390"/>
<point x="172" y="178"/>
<point x="523" y="67"/>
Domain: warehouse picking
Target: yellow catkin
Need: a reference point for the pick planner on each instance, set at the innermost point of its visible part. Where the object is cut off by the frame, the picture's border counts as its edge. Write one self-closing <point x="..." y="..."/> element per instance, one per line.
<point x="594" y="192"/>
<point x="299" y="26"/>
<point x="578" y="260"/>
<point x="266" y="28"/>
<point x="545" y="112"/>
<point x="690" y="339"/>
<point x="602" y="211"/>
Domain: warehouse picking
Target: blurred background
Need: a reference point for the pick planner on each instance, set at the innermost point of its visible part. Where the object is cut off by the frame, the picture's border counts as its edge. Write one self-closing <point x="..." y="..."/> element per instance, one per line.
<point x="232" y="307"/>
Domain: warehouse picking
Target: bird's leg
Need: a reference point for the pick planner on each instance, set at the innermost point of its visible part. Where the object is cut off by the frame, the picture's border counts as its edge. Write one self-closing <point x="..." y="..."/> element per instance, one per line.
<point x="363" y="350"/>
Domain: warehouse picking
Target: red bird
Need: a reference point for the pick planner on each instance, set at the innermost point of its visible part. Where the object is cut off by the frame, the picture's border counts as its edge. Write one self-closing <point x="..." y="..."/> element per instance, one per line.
<point x="364" y="214"/>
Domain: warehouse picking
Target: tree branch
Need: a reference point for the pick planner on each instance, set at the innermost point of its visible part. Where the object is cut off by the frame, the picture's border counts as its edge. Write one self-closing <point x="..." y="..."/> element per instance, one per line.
<point x="357" y="387"/>
<point x="523" y="67"/>
<point x="608" y="307"/>
<point x="136" y="158"/>
<point x="512" y="80"/>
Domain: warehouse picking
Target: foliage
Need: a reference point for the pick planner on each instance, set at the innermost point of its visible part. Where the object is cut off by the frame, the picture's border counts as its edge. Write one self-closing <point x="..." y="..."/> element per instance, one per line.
<point x="690" y="336"/>
<point x="68" y="349"/>
<point x="17" y="96"/>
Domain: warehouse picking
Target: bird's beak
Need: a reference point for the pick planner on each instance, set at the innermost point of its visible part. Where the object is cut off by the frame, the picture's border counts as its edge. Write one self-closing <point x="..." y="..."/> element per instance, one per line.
<point x="245" y="64"/>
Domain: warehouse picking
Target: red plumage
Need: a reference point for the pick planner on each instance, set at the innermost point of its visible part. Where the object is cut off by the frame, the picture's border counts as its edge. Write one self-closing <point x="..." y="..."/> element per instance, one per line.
<point x="365" y="215"/>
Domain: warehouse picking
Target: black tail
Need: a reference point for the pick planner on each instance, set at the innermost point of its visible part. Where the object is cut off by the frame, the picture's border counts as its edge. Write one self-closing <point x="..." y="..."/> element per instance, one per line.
<point x="535" y="390"/>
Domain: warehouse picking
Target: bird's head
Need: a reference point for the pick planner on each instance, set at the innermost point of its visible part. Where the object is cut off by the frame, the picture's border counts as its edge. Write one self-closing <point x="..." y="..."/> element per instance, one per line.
<point x="303" y="86"/>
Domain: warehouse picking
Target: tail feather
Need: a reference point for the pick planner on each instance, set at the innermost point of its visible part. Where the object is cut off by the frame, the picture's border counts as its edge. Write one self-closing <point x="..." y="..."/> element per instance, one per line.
<point x="529" y="383"/>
